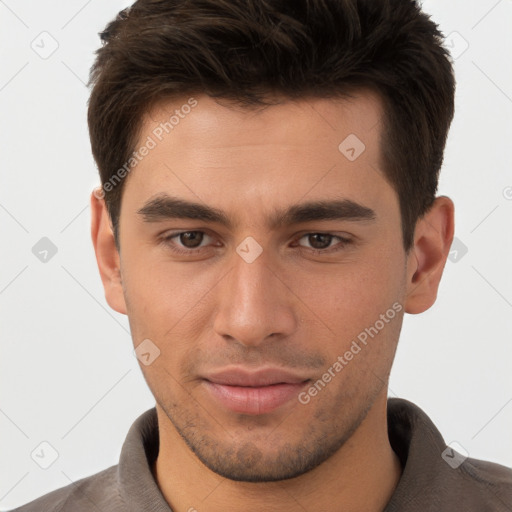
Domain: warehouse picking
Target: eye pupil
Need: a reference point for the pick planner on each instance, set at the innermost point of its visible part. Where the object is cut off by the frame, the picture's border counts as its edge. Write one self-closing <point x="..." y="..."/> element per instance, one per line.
<point x="191" y="239"/>
<point x="323" y="239"/>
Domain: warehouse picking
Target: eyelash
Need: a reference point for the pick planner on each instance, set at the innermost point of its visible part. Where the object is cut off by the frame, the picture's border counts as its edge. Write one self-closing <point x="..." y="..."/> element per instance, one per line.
<point x="343" y="242"/>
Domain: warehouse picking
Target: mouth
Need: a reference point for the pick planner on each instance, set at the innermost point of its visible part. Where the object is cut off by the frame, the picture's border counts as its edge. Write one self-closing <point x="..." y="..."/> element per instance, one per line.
<point x="253" y="393"/>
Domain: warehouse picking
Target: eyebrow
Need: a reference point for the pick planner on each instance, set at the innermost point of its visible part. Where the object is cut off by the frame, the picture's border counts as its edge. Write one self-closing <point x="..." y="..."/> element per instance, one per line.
<point x="163" y="207"/>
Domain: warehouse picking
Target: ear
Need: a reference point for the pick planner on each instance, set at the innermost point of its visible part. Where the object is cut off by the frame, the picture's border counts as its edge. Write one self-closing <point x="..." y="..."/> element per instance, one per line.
<point x="107" y="255"/>
<point x="433" y="238"/>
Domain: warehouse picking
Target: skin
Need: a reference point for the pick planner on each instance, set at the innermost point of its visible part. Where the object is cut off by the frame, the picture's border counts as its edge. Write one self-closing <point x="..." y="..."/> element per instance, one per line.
<point x="289" y="308"/>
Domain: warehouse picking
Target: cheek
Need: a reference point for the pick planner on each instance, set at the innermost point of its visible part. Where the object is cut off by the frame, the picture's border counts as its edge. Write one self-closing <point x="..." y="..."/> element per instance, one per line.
<point x="364" y="330"/>
<point x="361" y="314"/>
<point x="165" y="300"/>
<point x="349" y="298"/>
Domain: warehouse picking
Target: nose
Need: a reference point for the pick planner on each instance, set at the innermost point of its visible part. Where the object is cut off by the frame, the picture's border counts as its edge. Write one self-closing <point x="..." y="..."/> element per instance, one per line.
<point x="255" y="303"/>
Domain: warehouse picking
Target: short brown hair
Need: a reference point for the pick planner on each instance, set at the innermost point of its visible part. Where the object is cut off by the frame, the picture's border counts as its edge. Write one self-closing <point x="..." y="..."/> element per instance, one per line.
<point x="249" y="51"/>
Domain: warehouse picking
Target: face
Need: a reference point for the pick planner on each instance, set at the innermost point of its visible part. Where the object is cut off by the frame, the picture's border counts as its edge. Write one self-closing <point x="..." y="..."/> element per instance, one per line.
<point x="261" y="254"/>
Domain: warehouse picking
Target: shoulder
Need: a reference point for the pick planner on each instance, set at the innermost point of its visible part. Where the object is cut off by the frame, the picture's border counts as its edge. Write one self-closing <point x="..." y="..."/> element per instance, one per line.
<point x="437" y="477"/>
<point x="96" y="491"/>
<point x="494" y="481"/>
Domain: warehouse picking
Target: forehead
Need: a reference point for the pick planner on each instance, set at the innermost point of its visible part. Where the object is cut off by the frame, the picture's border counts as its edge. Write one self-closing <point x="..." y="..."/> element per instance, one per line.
<point x="301" y="121"/>
<point x="216" y="152"/>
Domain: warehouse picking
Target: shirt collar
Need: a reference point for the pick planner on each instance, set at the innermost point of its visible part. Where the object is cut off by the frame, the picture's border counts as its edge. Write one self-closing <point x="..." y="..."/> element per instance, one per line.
<point x="137" y="485"/>
<point x="419" y="445"/>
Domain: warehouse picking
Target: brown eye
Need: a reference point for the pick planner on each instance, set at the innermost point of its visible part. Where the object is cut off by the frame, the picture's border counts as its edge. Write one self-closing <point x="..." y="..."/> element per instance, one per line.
<point x="187" y="242"/>
<point x="319" y="240"/>
<point x="191" y="239"/>
<point x="322" y="242"/>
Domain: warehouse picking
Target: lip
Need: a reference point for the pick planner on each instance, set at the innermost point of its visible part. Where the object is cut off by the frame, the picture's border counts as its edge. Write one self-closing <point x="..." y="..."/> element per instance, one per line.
<point x="253" y="392"/>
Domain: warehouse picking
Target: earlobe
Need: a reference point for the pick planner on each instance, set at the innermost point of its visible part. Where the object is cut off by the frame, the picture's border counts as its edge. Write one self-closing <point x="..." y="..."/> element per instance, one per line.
<point x="107" y="255"/>
<point x="426" y="260"/>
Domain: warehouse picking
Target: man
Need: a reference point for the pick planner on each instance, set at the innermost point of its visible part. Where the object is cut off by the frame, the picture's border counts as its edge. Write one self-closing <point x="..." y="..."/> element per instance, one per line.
<point x="267" y="215"/>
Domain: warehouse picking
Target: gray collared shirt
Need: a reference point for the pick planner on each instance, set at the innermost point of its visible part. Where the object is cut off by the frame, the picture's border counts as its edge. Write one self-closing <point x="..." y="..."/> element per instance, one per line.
<point x="435" y="478"/>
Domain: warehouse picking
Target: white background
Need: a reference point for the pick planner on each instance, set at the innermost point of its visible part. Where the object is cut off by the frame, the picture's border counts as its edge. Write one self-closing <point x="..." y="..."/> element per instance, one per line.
<point x="67" y="371"/>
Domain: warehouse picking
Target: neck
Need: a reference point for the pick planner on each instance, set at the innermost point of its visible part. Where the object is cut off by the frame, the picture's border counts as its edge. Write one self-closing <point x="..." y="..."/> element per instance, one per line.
<point x="361" y="475"/>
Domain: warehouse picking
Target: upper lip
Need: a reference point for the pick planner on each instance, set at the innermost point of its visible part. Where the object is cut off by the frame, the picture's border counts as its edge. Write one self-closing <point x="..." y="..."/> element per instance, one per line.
<point x="254" y="378"/>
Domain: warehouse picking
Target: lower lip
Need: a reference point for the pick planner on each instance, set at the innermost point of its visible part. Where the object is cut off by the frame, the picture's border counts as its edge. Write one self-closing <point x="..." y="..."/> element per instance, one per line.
<point x="254" y="400"/>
